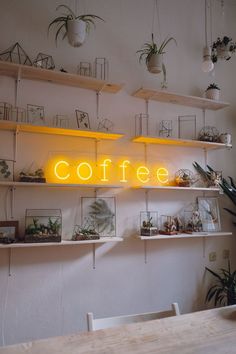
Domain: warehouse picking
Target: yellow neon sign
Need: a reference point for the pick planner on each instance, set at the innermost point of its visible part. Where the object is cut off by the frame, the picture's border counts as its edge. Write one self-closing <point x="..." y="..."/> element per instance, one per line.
<point x="65" y="170"/>
<point x="104" y="166"/>
<point x="57" y="167"/>
<point x="162" y="175"/>
<point x="84" y="171"/>
<point x="141" y="172"/>
<point x="124" y="166"/>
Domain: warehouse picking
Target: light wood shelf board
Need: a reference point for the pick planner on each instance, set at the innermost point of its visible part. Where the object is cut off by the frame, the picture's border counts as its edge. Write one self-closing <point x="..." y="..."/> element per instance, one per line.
<point x="57" y="77"/>
<point x="182" y="236"/>
<point x="179" y="142"/>
<point x="174" y="98"/>
<point x="62" y="243"/>
<point x="205" y="189"/>
<point x="57" y="185"/>
<point x="38" y="129"/>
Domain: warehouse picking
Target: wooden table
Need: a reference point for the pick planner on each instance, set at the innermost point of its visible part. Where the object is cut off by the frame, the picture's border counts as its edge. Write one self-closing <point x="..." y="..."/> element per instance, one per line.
<point x="205" y="332"/>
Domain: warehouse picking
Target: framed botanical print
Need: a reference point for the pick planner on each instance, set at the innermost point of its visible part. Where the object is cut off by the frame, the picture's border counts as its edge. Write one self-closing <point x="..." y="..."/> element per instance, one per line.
<point x="209" y="213"/>
<point x="82" y="119"/>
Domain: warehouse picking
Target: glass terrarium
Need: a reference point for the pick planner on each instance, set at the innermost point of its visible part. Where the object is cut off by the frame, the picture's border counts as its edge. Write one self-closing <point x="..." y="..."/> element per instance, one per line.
<point x="84" y="232"/>
<point x="192" y="219"/>
<point x="148" y="223"/>
<point x="168" y="225"/>
<point x="43" y="225"/>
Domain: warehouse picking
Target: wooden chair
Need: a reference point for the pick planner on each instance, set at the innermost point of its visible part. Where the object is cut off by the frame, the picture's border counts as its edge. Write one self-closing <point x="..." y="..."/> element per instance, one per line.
<point x="101" y="323"/>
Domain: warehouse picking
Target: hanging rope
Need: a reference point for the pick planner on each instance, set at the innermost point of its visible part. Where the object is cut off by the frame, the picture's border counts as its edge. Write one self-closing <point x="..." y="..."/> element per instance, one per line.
<point x="155" y="13"/>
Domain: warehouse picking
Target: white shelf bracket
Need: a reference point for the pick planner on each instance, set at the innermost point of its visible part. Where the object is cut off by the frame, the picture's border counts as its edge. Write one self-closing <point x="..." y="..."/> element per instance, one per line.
<point x="204" y="116"/>
<point x="98" y="93"/>
<point x="17" y="84"/>
<point x="204" y="247"/>
<point x="9" y="261"/>
<point x="94" y="255"/>
<point x="145" y="251"/>
<point x="147" y="107"/>
<point x="12" y="204"/>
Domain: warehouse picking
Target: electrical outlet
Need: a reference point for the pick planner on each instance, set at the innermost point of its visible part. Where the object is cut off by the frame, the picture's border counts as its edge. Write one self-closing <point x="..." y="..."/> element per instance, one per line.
<point x="212" y="256"/>
<point x="225" y="254"/>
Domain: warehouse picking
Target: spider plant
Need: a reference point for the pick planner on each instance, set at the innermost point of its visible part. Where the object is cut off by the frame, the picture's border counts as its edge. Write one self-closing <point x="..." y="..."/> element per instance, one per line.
<point x="224" y="291"/>
<point x="151" y="48"/>
<point x="61" y="22"/>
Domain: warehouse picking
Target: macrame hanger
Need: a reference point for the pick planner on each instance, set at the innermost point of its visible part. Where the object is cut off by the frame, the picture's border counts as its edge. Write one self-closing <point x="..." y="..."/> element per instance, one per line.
<point x="155" y="13"/>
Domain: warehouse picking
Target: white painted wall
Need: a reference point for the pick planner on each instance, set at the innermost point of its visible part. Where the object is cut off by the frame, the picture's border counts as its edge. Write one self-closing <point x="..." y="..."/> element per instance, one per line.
<point x="51" y="289"/>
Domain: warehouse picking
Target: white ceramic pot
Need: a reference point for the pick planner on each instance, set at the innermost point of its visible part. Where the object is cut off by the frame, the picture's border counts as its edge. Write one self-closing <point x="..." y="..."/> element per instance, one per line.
<point x="76" y="32"/>
<point x="223" y="52"/>
<point x="213" y="94"/>
<point x="226" y="138"/>
<point x="155" y="64"/>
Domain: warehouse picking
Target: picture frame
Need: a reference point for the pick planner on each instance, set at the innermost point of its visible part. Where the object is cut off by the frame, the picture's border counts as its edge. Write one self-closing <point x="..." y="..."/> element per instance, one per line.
<point x="82" y="119"/>
<point x="209" y="212"/>
<point x="100" y="214"/>
<point x="6" y="170"/>
<point x="9" y="231"/>
<point x="35" y="114"/>
<point x="187" y="127"/>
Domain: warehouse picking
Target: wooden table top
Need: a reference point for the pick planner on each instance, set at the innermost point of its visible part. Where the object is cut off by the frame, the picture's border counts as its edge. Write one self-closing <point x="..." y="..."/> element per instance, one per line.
<point x="204" y="332"/>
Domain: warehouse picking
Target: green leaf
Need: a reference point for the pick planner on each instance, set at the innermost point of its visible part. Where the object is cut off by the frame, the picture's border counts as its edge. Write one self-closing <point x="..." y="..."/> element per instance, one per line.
<point x="68" y="8"/>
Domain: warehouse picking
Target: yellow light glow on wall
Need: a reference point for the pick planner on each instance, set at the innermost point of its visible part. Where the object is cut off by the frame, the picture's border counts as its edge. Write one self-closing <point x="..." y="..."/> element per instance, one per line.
<point x="162" y="175"/>
<point x="104" y="166"/>
<point x="61" y="170"/>
<point x="84" y="171"/>
<point x="142" y="174"/>
<point x="123" y="167"/>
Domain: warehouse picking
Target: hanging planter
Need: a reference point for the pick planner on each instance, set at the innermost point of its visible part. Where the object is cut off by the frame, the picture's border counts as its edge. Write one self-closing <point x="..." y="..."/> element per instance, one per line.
<point x="76" y="32"/>
<point x="73" y="27"/>
<point x="153" y="55"/>
<point x="213" y="92"/>
<point x="223" y="49"/>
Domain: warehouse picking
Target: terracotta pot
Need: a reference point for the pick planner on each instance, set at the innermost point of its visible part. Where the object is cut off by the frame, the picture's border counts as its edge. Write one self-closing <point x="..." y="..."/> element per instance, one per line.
<point x="213" y="94"/>
<point x="155" y="64"/>
<point x="76" y="32"/>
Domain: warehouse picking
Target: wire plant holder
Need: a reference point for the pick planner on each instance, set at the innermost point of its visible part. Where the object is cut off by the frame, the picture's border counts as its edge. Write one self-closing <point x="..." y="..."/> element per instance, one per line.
<point x="101" y="68"/>
<point x="18" y="114"/>
<point x="141" y="124"/>
<point x="187" y="127"/>
<point x="16" y="54"/>
<point x="165" y="128"/>
<point x="44" y="61"/>
<point x="84" y="68"/>
<point x="5" y="111"/>
<point x="61" y="121"/>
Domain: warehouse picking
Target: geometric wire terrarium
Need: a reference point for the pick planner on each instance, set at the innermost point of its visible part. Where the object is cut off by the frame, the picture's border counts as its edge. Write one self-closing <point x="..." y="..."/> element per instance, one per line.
<point x="43" y="225"/>
<point x="192" y="219"/>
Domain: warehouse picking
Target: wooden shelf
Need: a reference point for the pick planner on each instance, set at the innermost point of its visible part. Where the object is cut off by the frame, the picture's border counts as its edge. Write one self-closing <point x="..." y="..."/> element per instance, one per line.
<point x="204" y="189"/>
<point x="38" y="129"/>
<point x="62" y="243"/>
<point x="57" y="185"/>
<point x="179" y="142"/>
<point x="57" y="77"/>
<point x="184" y="100"/>
<point x="181" y="236"/>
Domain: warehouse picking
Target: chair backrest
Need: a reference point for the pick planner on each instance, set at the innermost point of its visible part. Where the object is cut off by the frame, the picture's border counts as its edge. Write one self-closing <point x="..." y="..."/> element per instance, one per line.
<point x="101" y="323"/>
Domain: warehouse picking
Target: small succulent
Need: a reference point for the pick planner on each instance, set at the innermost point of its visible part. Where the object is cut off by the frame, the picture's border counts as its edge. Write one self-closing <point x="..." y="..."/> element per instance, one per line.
<point x="213" y="86"/>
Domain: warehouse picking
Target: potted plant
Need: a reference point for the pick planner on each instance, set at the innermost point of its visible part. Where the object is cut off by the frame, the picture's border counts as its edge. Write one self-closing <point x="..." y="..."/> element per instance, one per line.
<point x="153" y="54"/>
<point x="73" y="27"/>
<point x="224" y="291"/>
<point x="223" y="48"/>
<point x="213" y="92"/>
